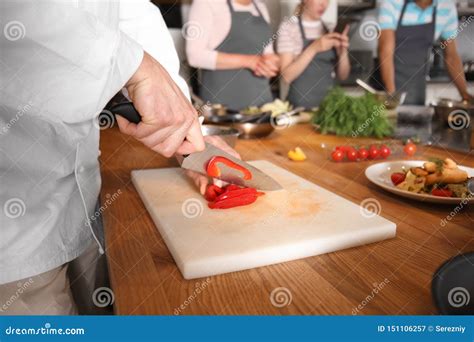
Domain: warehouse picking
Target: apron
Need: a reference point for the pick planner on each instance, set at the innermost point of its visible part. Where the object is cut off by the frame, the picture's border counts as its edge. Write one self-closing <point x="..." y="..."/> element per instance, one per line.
<point x="413" y="45"/>
<point x="312" y="85"/>
<point x="239" y="88"/>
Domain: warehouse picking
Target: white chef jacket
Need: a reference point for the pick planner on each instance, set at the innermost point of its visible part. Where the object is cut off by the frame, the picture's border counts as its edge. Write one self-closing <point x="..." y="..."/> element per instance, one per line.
<point x="60" y="62"/>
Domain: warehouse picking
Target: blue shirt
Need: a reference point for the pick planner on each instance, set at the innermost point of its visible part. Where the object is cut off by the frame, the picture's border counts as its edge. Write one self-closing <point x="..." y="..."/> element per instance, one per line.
<point x="446" y="16"/>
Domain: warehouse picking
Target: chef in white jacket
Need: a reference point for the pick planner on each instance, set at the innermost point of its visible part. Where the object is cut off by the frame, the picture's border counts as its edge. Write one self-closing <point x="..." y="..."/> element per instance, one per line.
<point x="60" y="63"/>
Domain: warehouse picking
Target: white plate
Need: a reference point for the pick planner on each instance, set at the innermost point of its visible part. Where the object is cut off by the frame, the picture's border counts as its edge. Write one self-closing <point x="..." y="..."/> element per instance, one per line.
<point x="380" y="173"/>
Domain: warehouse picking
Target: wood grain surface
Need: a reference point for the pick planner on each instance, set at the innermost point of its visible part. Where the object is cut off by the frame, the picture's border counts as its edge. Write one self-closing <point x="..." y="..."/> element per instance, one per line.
<point x="389" y="277"/>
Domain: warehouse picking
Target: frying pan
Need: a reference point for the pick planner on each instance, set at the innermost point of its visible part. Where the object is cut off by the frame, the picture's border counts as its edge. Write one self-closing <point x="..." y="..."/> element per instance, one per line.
<point x="453" y="286"/>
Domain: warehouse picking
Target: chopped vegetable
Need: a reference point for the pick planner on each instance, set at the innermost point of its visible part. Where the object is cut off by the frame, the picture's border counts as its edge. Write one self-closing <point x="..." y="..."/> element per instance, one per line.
<point x="212" y="192"/>
<point x="231" y="196"/>
<point x="345" y="115"/>
<point x="297" y="155"/>
<point x="214" y="171"/>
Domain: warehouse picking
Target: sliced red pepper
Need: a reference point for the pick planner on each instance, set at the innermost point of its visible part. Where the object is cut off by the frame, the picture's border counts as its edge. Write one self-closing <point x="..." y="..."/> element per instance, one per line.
<point x="236" y="193"/>
<point x="212" y="191"/>
<point x="214" y="171"/>
<point x="234" y="202"/>
<point x="231" y="187"/>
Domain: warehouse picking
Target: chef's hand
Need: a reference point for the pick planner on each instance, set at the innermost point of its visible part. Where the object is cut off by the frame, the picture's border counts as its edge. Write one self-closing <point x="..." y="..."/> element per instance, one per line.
<point x="267" y="65"/>
<point x="344" y="42"/>
<point x="169" y="122"/>
<point x="327" y="42"/>
<point x="202" y="181"/>
<point x="468" y="97"/>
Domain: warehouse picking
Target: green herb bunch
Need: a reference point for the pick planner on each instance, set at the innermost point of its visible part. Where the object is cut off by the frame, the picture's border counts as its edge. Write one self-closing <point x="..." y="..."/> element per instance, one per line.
<point x="346" y="115"/>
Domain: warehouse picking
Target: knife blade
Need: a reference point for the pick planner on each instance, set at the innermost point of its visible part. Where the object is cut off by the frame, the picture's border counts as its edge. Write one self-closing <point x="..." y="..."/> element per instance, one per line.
<point x="198" y="161"/>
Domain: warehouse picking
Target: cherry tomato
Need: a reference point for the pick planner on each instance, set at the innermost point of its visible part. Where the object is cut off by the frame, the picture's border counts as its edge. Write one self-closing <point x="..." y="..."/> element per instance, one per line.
<point x="351" y="154"/>
<point x="374" y="152"/>
<point x="363" y="154"/>
<point x="337" y="155"/>
<point x="410" y="149"/>
<point x="442" y="192"/>
<point x="385" y="151"/>
<point x="397" y="177"/>
<point x="343" y="148"/>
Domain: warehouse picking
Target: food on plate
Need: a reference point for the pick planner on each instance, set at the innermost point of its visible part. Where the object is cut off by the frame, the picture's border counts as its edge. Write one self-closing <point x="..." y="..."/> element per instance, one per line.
<point x="346" y="115"/>
<point x="438" y="177"/>
<point x="214" y="171"/>
<point x="230" y="196"/>
<point x="297" y="155"/>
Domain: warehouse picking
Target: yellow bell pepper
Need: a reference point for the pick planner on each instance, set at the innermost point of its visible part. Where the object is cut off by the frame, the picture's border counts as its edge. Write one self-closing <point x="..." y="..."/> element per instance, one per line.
<point x="297" y="155"/>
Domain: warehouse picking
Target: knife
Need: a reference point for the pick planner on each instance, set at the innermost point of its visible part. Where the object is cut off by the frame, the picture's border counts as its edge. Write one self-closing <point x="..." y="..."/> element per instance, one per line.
<point x="198" y="161"/>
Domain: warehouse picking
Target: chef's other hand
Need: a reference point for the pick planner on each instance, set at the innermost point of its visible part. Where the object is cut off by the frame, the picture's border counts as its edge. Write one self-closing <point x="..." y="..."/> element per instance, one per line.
<point x="328" y="42"/>
<point x="202" y="181"/>
<point x="344" y="41"/>
<point x="169" y="122"/>
<point x="267" y="66"/>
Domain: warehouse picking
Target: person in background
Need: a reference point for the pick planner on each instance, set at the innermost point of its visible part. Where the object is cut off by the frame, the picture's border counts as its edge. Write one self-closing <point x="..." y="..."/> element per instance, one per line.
<point x="409" y="29"/>
<point x="310" y="54"/>
<point x="231" y="42"/>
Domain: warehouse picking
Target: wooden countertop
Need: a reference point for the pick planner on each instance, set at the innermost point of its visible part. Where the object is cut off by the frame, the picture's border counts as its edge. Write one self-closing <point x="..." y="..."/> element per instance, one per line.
<point x="389" y="277"/>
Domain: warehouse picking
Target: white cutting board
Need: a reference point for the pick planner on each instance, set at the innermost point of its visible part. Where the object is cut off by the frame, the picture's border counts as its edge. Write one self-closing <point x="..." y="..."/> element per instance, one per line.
<point x="300" y="221"/>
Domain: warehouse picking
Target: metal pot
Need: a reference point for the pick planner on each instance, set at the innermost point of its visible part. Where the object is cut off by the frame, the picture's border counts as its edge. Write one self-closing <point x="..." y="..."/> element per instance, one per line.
<point x="254" y="130"/>
<point x="456" y="114"/>
<point x="228" y="134"/>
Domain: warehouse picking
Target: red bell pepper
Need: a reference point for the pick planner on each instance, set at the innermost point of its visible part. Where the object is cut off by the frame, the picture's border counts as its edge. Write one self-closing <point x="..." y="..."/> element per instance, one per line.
<point x="236" y="193"/>
<point x="214" y="171"/>
<point x="234" y="202"/>
<point x="212" y="191"/>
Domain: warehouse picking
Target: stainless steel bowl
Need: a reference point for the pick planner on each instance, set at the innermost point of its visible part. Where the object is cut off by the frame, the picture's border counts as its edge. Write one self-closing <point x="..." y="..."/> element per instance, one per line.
<point x="457" y="114"/>
<point x="228" y="134"/>
<point x="254" y="130"/>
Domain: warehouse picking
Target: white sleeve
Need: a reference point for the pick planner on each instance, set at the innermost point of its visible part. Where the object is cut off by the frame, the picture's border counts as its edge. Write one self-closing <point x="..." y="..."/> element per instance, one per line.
<point x="62" y="59"/>
<point x="198" y="32"/>
<point x="142" y="21"/>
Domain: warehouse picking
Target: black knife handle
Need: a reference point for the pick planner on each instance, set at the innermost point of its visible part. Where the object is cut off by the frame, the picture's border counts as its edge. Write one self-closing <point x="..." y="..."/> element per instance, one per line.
<point x="128" y="111"/>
